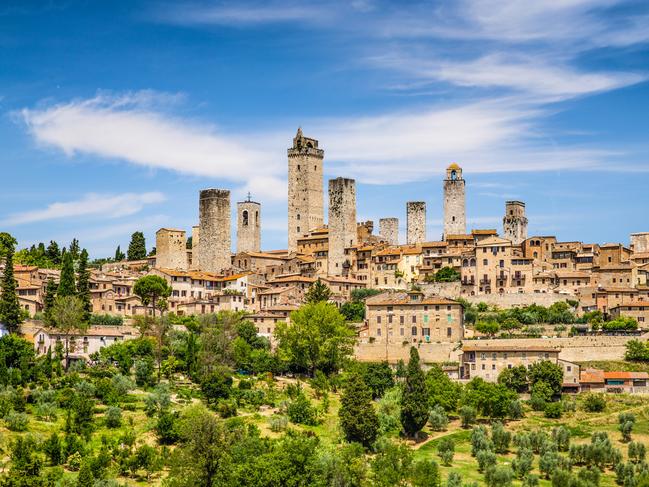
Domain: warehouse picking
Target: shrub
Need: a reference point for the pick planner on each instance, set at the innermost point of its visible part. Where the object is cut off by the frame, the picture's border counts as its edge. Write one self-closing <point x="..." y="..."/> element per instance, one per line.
<point x="113" y="417"/>
<point x="438" y="419"/>
<point x="278" y="423"/>
<point x="522" y="464"/>
<point x="561" y="436"/>
<point x="226" y="408"/>
<point x="446" y="450"/>
<point x="486" y="459"/>
<point x="166" y="428"/>
<point x="594" y="403"/>
<point x="499" y="476"/>
<point x="553" y="410"/>
<point x="500" y="437"/>
<point x="301" y="411"/>
<point x="515" y="409"/>
<point x="626" y="422"/>
<point x="17" y="421"/>
<point x="467" y="416"/>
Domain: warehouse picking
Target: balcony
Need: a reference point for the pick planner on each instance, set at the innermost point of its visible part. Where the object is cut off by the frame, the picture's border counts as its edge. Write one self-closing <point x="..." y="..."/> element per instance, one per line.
<point x="485" y="282"/>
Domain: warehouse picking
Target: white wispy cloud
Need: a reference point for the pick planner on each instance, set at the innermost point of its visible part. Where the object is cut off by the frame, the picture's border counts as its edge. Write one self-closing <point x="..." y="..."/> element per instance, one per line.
<point x="126" y="127"/>
<point x="92" y="204"/>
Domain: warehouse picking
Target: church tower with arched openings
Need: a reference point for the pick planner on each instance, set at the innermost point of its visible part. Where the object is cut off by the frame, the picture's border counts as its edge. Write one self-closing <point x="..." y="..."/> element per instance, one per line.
<point x="454" y="202"/>
<point x="248" y="226"/>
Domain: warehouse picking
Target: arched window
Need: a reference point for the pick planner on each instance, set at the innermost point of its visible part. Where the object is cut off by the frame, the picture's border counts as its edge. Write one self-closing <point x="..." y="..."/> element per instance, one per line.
<point x="244" y="217"/>
<point x="453" y="175"/>
<point x="465" y="263"/>
<point x="298" y="216"/>
<point x="472" y="262"/>
<point x="256" y="218"/>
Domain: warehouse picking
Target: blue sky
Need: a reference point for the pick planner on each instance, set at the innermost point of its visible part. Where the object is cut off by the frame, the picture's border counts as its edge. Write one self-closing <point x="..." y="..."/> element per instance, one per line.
<point x="113" y="115"/>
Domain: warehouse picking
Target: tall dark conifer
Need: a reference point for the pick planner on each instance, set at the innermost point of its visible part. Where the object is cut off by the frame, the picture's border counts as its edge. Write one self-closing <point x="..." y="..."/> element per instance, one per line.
<point x="137" y="247"/>
<point x="358" y="418"/>
<point x="67" y="286"/>
<point x="414" y="402"/>
<point x="83" y="284"/>
<point x="48" y="300"/>
<point x="10" y="313"/>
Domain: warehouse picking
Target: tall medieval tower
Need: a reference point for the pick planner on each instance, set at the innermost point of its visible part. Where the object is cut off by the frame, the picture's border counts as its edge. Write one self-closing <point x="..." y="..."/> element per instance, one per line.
<point x="415" y="222"/>
<point x="454" y="202"/>
<point x="248" y="226"/>
<point x="305" y="195"/>
<point x="342" y="223"/>
<point x="214" y="251"/>
<point x="389" y="230"/>
<point x="515" y="222"/>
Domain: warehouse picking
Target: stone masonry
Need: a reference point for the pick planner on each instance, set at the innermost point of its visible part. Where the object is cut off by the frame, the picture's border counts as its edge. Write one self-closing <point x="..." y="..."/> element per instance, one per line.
<point x="640" y="242"/>
<point x="454" y="202"/>
<point x="214" y="228"/>
<point x="515" y="222"/>
<point x="248" y="226"/>
<point x="342" y="223"/>
<point x="195" y="242"/>
<point x="171" y="249"/>
<point x="416" y="222"/>
<point x="305" y="193"/>
<point x="389" y="230"/>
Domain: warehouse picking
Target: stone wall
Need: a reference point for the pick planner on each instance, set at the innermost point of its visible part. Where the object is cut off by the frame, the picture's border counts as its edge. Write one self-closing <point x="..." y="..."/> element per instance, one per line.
<point x="509" y="300"/>
<point x="171" y="249"/>
<point x="640" y="242"/>
<point x="454" y="206"/>
<point x="342" y="223"/>
<point x="248" y="226"/>
<point x="196" y="235"/>
<point x="515" y="222"/>
<point x="214" y="248"/>
<point x="305" y="193"/>
<point x="389" y="230"/>
<point x="416" y="222"/>
<point x="428" y="352"/>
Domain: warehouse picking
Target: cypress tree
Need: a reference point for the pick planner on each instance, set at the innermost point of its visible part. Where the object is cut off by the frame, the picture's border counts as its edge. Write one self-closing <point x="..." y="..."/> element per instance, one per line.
<point x="74" y="249"/>
<point x="85" y="478"/>
<point x="414" y="402"/>
<point x="137" y="247"/>
<point x="48" y="300"/>
<point x="53" y="252"/>
<point x="67" y="286"/>
<point x="83" y="284"/>
<point x="358" y="418"/>
<point x="10" y="313"/>
<point x="119" y="255"/>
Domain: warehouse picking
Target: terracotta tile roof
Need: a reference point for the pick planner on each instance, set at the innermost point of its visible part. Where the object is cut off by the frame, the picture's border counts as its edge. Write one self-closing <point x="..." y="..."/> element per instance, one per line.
<point x="434" y="244"/>
<point x="297" y="278"/>
<point x="626" y="375"/>
<point x="493" y="241"/>
<point x="633" y="303"/>
<point x="489" y="231"/>
<point x="591" y="376"/>
<point x="403" y="299"/>
<point x="459" y="237"/>
<point x="25" y="268"/>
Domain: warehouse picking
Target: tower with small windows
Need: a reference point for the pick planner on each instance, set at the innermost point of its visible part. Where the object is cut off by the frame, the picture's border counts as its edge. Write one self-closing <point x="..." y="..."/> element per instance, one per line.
<point x="454" y="202"/>
<point x="305" y="193"/>
<point x="248" y="226"/>
<point x="515" y="222"/>
<point x="343" y="232"/>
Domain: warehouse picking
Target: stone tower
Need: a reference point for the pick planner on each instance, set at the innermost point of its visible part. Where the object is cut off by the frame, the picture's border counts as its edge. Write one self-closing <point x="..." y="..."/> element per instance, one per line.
<point x="389" y="230"/>
<point x="171" y="249"/>
<point x="454" y="202"/>
<point x="515" y="222"/>
<point x="305" y="195"/>
<point x="195" y="242"/>
<point x="248" y="226"/>
<point x="214" y="248"/>
<point x="416" y="222"/>
<point x="342" y="223"/>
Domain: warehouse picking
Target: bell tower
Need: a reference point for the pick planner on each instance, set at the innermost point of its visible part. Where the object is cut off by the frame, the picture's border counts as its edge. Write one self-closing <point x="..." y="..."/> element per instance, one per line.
<point x="454" y="202"/>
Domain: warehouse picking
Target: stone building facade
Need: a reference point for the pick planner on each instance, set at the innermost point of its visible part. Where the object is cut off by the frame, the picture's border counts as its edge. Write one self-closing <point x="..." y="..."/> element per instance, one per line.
<point x="454" y="202"/>
<point x="342" y="224"/>
<point x="515" y="222"/>
<point x="389" y="230"/>
<point x="640" y="242"/>
<point x="171" y="249"/>
<point x="196" y="235"/>
<point x="214" y="248"/>
<point x="416" y="222"/>
<point x="305" y="194"/>
<point x="248" y="226"/>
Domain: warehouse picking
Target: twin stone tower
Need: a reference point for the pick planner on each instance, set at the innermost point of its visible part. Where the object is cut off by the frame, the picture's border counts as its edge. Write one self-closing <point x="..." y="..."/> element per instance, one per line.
<point x="212" y="242"/>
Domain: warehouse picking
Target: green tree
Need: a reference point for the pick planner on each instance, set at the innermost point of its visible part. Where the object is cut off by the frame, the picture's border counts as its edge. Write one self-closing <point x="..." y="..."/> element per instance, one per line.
<point x="425" y="473"/>
<point x="318" y="291"/>
<point x="119" y="255"/>
<point x="636" y="351"/>
<point x="353" y="311"/>
<point x="67" y="286"/>
<point x="318" y="338"/>
<point x="53" y="252"/>
<point x="414" y="402"/>
<point x="85" y="478"/>
<point x="67" y="317"/>
<point x="514" y="378"/>
<point x="10" y="313"/>
<point x="83" y="285"/>
<point x="447" y="274"/>
<point x="358" y="418"/>
<point x="378" y="376"/>
<point x="392" y="465"/>
<point x="489" y="328"/>
<point x="548" y="372"/>
<point x="150" y="289"/>
<point x="446" y="451"/>
<point x="441" y="389"/>
<point x="137" y="247"/>
<point x="48" y="300"/>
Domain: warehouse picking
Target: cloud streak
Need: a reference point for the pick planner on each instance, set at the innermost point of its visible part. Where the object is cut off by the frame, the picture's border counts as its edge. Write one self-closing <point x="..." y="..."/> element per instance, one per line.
<point x="92" y="204"/>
